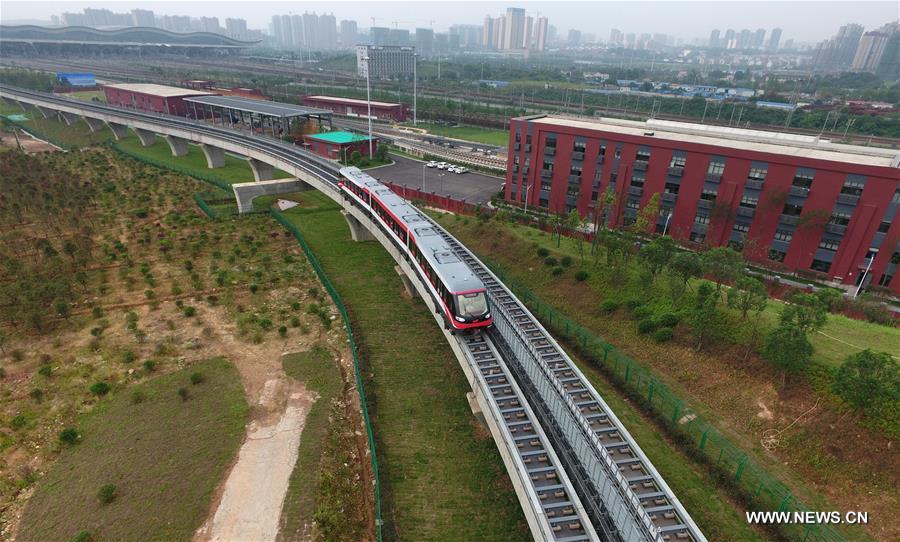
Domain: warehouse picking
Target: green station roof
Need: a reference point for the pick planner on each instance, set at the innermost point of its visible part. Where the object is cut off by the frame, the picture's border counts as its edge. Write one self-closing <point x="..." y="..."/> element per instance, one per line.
<point x="340" y="138"/>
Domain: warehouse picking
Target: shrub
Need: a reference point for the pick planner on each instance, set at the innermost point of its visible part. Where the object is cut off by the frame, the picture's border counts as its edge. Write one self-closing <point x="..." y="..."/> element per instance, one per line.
<point x="867" y="378"/>
<point x="829" y="297"/>
<point x="190" y="311"/>
<point x="37" y="394"/>
<point x="69" y="436"/>
<point x="550" y="261"/>
<point x="610" y="305"/>
<point x="566" y="261"/>
<point x="253" y="288"/>
<point x="265" y="323"/>
<point x="295" y="322"/>
<point x="196" y="378"/>
<point x="662" y="334"/>
<point x="581" y="275"/>
<point x="137" y="397"/>
<point x="646" y="325"/>
<point x="632" y="304"/>
<point x="183" y="393"/>
<point x="97" y="312"/>
<point x="295" y="305"/>
<point x="557" y="271"/>
<point x="150" y="365"/>
<point x="99" y="388"/>
<point x="45" y="370"/>
<point x="140" y="213"/>
<point x="128" y="356"/>
<point x="543" y="252"/>
<point x="18" y="422"/>
<point x="84" y="536"/>
<point x="107" y="493"/>
<point x="668" y="319"/>
<point x="282" y="331"/>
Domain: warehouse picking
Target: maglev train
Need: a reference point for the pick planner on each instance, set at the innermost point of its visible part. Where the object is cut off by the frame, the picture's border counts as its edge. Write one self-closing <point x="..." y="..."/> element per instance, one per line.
<point x="452" y="284"/>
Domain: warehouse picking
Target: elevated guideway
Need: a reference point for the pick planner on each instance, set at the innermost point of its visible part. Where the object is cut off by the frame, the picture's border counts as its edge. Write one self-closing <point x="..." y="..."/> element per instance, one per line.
<point x="577" y="472"/>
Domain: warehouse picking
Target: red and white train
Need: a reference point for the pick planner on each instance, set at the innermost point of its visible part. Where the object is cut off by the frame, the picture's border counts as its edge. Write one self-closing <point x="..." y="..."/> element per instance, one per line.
<point x="452" y="284"/>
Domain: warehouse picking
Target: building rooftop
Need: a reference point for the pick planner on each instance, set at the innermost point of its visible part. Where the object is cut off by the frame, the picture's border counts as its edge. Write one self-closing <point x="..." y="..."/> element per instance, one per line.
<point x="735" y="138"/>
<point x="351" y="100"/>
<point x="158" y="90"/>
<point x="340" y="138"/>
<point x="261" y="107"/>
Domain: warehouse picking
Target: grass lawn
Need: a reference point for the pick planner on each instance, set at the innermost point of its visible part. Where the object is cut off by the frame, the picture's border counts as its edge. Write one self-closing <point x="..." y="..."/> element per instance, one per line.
<point x="235" y="169"/>
<point x="57" y="131"/>
<point x="164" y="455"/>
<point x="87" y="96"/>
<point x="439" y="469"/>
<point x="318" y="370"/>
<point x="478" y="134"/>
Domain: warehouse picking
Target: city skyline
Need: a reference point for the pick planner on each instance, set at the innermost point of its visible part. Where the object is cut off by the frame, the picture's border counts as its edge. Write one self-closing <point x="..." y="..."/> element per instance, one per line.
<point x="683" y="20"/>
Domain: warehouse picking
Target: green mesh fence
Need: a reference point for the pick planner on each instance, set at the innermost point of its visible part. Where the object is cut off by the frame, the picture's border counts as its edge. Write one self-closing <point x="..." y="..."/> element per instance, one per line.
<point x="323" y="278"/>
<point x="37" y="134"/>
<point x="759" y="488"/>
<point x="203" y="176"/>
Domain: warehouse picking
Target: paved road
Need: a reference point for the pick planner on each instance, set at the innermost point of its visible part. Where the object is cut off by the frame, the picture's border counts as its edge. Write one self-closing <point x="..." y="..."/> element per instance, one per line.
<point x="472" y="187"/>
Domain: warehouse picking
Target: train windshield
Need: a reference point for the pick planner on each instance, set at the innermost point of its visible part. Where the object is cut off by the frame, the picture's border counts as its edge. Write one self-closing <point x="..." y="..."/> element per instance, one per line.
<point x="472" y="305"/>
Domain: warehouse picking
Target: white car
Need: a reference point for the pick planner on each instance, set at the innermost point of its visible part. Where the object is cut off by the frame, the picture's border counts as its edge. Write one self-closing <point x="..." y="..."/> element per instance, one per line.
<point x="431" y="164"/>
<point x="461" y="169"/>
<point x="451" y="169"/>
<point x="442" y="165"/>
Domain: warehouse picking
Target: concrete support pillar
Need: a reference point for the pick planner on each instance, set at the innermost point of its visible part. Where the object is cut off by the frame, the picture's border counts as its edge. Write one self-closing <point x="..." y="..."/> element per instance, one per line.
<point x="407" y="284"/>
<point x="68" y="118"/>
<point x="120" y="131"/>
<point x="95" y="125"/>
<point x="358" y="232"/>
<point x="178" y="145"/>
<point x="46" y="112"/>
<point x="26" y="106"/>
<point x="147" y="137"/>
<point x="215" y="156"/>
<point x="261" y="170"/>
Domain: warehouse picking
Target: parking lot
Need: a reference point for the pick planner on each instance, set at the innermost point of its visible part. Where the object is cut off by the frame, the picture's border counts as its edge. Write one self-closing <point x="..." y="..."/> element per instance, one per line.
<point x="472" y="187"/>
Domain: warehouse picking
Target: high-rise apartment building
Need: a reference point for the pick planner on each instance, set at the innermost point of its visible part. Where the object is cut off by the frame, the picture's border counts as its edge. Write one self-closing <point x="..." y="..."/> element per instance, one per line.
<point x="349" y="34"/>
<point x="714" y="38"/>
<point x="210" y="24"/>
<point x="143" y="17"/>
<point x="774" y="38"/>
<point x="839" y="51"/>
<point x="515" y="31"/>
<point x="875" y="48"/>
<point x="379" y="35"/>
<point x="425" y="41"/>
<point x="759" y="38"/>
<point x="328" y="35"/>
<point x="616" y="37"/>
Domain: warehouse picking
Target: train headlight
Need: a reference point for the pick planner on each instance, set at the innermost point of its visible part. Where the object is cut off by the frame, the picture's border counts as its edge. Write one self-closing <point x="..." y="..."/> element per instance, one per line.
<point x="460" y="319"/>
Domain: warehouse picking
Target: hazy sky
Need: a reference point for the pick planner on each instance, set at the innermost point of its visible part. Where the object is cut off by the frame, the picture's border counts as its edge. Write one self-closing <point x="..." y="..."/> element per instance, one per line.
<point x="802" y="21"/>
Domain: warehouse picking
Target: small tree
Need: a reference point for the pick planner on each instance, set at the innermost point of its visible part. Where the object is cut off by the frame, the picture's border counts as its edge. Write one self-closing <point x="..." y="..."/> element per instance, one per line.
<point x="723" y="264"/>
<point x="868" y="378"/>
<point x="355" y="157"/>
<point x="748" y="294"/>
<point x="647" y="216"/>
<point x="657" y="254"/>
<point x="107" y="493"/>
<point x="575" y="224"/>
<point x="684" y="266"/>
<point x="99" y="388"/>
<point x="706" y="318"/>
<point x="787" y="348"/>
<point x="806" y="311"/>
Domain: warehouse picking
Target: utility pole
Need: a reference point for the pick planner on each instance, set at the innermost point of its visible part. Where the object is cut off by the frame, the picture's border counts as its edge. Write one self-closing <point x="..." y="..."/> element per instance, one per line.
<point x="415" y="109"/>
<point x="366" y="59"/>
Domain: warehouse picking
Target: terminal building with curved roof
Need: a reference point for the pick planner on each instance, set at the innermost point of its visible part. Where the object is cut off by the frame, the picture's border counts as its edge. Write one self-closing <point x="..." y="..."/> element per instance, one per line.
<point x="27" y="39"/>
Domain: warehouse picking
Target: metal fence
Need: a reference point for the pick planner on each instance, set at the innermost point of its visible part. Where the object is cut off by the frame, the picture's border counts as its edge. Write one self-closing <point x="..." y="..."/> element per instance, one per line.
<point x="759" y="488"/>
<point x="336" y="298"/>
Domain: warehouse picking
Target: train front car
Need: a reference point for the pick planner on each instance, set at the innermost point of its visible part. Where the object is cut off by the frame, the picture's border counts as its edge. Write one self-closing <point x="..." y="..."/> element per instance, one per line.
<point x="454" y="288"/>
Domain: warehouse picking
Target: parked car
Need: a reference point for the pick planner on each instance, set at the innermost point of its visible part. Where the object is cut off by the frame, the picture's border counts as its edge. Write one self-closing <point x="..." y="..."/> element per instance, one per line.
<point x="431" y="164"/>
<point x="461" y="169"/>
<point x="442" y="165"/>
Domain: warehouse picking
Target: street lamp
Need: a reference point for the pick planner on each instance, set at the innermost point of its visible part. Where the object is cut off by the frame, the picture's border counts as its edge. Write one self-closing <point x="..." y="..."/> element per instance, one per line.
<point x="527" y="186"/>
<point x="862" y="280"/>
<point x="366" y="59"/>
<point x="423" y="176"/>
<point x="666" y="227"/>
<point x="415" y="109"/>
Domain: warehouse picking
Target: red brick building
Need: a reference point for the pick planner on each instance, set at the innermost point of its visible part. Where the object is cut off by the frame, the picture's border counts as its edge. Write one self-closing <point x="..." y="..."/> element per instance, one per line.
<point x="149" y="97"/>
<point x="337" y="145"/>
<point x="805" y="203"/>
<point x="358" y="108"/>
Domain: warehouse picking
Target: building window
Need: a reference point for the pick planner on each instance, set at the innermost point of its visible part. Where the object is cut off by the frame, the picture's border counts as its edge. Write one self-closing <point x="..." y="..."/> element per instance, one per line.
<point x="547" y="166"/>
<point x="841" y="219"/>
<point x="784" y="235"/>
<point x="819" y="265"/>
<point x="852" y="188"/>
<point x="551" y="142"/>
<point x="643" y="155"/>
<point x="739" y="227"/>
<point x="678" y="161"/>
<point x="528" y="139"/>
<point x="672" y="188"/>
<point x="618" y="153"/>
<point x="543" y="203"/>
<point x="828" y="244"/>
<point x="885" y="279"/>
<point x="803" y="180"/>
<point x="518" y="136"/>
<point x="579" y="146"/>
<point x="698" y="237"/>
<point x="884" y="226"/>
<point x="637" y="180"/>
<point x="701" y="219"/>
<point x="709" y="195"/>
<point x="546" y="186"/>
<point x="612" y="178"/>
<point x="575" y="170"/>
<point x="792" y="210"/>
<point x="603" y="149"/>
<point x="776" y="255"/>
<point x="572" y="190"/>
<point x="757" y="174"/>
<point x="633" y="204"/>
<point x="895" y="258"/>
<point x="716" y="168"/>
<point x="749" y="202"/>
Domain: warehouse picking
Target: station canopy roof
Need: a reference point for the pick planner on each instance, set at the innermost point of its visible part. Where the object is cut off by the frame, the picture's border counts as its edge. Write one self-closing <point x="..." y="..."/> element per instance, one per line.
<point x="260" y="107"/>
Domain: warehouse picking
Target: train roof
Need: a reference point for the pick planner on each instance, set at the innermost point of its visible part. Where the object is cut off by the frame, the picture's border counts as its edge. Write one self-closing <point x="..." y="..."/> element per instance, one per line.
<point x="453" y="271"/>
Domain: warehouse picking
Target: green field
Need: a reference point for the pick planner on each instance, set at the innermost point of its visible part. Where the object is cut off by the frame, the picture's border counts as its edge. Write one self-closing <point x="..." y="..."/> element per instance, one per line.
<point x="87" y="96"/>
<point x="163" y="490"/>
<point x="318" y="370"/>
<point x="55" y="131"/>
<point x="489" y="136"/>
<point x="439" y="469"/>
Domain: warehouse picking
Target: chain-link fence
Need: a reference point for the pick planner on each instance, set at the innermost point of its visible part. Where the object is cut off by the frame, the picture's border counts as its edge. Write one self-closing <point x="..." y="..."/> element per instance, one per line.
<point x="323" y="278"/>
<point x="757" y="487"/>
